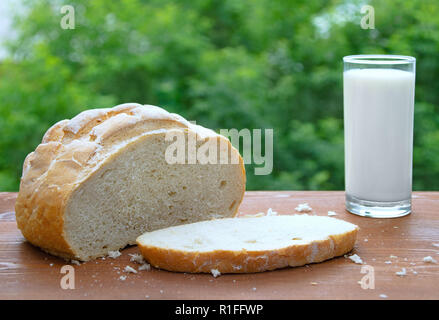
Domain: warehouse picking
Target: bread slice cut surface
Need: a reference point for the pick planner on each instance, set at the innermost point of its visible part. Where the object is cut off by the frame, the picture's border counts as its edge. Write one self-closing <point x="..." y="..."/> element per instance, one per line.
<point x="240" y="245"/>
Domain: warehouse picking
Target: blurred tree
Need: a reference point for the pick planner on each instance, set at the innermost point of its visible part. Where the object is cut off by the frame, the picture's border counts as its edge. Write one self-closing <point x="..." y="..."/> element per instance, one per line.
<point x="223" y="63"/>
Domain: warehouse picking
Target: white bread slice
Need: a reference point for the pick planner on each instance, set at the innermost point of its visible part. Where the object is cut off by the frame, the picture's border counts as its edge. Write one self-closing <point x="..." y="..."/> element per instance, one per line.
<point x="243" y="245"/>
<point x="100" y="180"/>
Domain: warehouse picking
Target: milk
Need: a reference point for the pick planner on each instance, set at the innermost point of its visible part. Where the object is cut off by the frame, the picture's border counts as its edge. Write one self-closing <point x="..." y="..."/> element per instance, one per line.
<point x="378" y="119"/>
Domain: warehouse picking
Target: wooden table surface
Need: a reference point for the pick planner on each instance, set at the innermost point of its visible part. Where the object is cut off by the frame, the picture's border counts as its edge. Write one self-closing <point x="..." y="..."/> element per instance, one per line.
<point x="28" y="273"/>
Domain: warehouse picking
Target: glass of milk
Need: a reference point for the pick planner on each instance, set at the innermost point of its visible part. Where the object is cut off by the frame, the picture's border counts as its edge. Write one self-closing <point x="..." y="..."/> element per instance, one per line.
<point x="378" y="126"/>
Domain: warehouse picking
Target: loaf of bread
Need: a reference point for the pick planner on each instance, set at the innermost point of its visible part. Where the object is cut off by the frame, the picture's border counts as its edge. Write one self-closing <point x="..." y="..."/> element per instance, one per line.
<point x="101" y="179"/>
<point x="242" y="245"/>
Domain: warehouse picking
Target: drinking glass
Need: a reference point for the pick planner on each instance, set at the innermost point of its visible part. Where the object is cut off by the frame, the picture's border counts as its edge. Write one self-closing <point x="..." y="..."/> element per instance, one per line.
<point x="378" y="97"/>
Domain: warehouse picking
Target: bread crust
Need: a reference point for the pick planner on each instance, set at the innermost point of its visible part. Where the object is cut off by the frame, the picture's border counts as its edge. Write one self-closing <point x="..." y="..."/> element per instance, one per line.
<point x="228" y="261"/>
<point x="70" y="152"/>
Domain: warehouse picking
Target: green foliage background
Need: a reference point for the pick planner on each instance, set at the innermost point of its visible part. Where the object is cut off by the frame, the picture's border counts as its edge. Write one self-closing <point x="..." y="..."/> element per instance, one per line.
<point x="224" y="63"/>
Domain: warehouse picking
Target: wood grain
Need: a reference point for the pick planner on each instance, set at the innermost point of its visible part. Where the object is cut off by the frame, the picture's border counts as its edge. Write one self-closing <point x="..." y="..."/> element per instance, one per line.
<point x="28" y="273"/>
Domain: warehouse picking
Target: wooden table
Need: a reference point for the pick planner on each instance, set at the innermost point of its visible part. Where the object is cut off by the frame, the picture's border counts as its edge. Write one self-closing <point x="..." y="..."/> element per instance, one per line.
<point x="28" y="273"/>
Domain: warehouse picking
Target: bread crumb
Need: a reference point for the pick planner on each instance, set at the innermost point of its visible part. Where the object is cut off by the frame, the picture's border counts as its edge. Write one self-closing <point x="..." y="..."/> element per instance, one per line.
<point x="395" y="227"/>
<point x="129" y="269"/>
<point x="313" y="283"/>
<point x="137" y="258"/>
<point x="429" y="259"/>
<point x="259" y="214"/>
<point x="384" y="296"/>
<point x="356" y="258"/>
<point x="122" y="278"/>
<point x="303" y="207"/>
<point x="215" y="272"/>
<point x="145" y="266"/>
<point x="401" y="273"/>
<point x="114" y="254"/>
<point x="332" y="213"/>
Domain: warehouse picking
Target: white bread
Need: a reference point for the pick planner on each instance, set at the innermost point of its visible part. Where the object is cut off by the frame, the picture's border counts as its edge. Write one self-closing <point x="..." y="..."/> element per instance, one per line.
<point x="242" y="245"/>
<point x="100" y="180"/>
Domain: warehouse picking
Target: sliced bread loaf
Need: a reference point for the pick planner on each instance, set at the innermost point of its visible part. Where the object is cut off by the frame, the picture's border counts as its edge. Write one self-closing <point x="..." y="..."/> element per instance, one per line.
<point x="241" y="245"/>
<point x="100" y="180"/>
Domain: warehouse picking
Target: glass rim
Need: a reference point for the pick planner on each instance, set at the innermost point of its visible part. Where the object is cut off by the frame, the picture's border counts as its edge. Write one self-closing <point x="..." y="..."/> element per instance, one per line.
<point x="386" y="59"/>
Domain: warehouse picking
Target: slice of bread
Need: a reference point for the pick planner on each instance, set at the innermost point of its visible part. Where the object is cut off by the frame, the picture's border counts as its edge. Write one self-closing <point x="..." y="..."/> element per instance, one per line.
<point x="242" y="245"/>
<point x="100" y="180"/>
